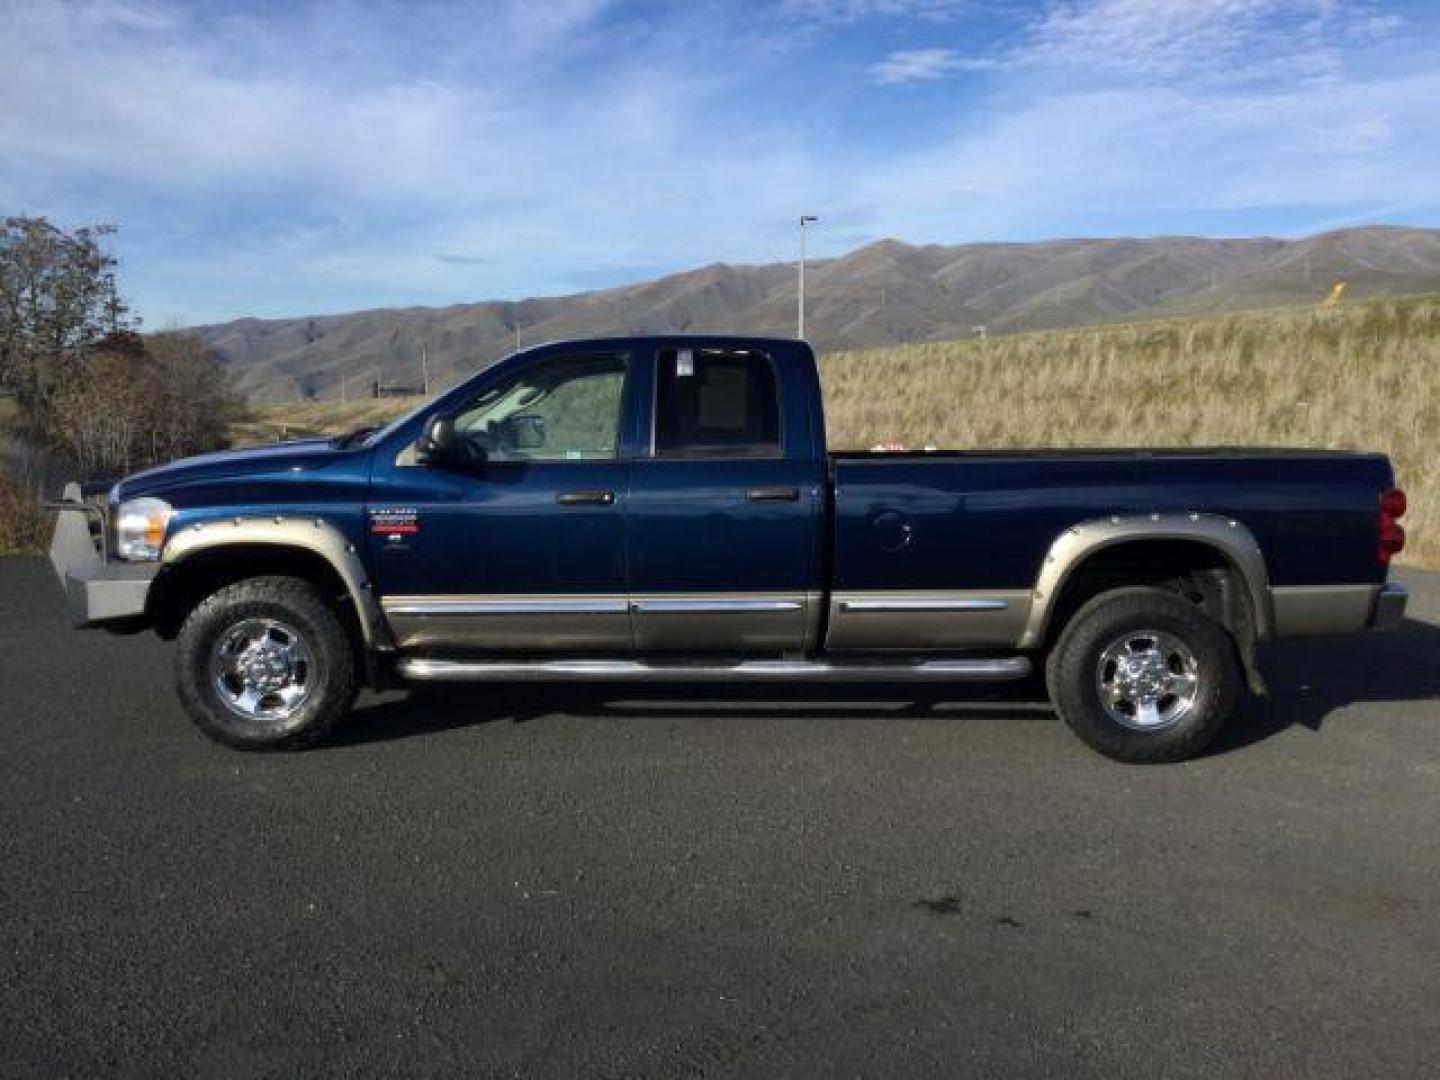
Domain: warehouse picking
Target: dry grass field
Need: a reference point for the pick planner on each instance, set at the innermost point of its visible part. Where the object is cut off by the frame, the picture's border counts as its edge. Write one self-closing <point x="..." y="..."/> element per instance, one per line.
<point x="1365" y="376"/>
<point x="1361" y="376"/>
<point x="267" y="423"/>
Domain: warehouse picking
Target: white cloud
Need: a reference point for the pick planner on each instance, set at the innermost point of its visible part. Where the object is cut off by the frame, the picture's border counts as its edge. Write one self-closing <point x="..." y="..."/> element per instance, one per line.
<point x="1215" y="41"/>
<point x="1162" y="110"/>
<point x="1154" y="37"/>
<point x="846" y="11"/>
<point x="178" y="101"/>
<point x="925" y="65"/>
<point x="1144" y="152"/>
<point x="344" y="154"/>
<point x="350" y="156"/>
<point x="1222" y="41"/>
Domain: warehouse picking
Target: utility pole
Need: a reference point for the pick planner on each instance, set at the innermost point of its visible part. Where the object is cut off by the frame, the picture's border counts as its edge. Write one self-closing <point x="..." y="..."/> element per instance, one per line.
<point x="425" y="368"/>
<point x="345" y="385"/>
<point x="805" y="220"/>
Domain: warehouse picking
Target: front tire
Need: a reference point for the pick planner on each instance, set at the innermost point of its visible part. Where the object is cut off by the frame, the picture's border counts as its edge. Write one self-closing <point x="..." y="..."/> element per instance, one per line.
<point x="1143" y="675"/>
<point x="266" y="664"/>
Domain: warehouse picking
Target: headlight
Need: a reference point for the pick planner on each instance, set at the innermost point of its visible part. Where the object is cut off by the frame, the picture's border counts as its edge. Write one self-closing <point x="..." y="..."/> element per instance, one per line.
<point x="140" y="529"/>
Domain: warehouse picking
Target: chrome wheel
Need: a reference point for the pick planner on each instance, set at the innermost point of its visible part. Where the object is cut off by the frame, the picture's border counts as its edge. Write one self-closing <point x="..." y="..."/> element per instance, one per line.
<point x="1147" y="680"/>
<point x="263" y="672"/>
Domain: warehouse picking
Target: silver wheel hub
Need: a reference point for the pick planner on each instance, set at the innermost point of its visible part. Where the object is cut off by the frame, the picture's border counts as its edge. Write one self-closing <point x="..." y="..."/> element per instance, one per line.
<point x="1147" y="680"/>
<point x="262" y="671"/>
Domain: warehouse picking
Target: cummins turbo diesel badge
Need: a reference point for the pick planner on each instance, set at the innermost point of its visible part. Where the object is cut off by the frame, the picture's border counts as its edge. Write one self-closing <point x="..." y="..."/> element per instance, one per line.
<point x="394" y="521"/>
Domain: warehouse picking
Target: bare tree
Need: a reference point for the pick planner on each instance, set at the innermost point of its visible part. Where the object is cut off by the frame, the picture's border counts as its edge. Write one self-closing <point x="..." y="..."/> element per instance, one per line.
<point x="136" y="402"/>
<point x="192" y="402"/>
<point x="57" y="299"/>
<point x="96" y="399"/>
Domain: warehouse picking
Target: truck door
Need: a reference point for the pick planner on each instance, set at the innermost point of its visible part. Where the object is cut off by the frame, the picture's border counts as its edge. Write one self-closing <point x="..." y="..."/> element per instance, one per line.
<point x="726" y="506"/>
<point x="521" y="549"/>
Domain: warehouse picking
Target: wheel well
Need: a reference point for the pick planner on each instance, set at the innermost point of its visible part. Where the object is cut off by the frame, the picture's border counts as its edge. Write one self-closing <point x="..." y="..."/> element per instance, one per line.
<point x="1195" y="570"/>
<point x="180" y="588"/>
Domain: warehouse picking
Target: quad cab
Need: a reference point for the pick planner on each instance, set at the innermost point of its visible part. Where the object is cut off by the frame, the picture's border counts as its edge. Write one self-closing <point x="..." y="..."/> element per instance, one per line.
<point x="664" y="508"/>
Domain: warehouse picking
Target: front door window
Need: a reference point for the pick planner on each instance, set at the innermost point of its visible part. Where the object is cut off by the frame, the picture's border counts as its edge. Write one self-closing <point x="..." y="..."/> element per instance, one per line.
<point x="566" y="408"/>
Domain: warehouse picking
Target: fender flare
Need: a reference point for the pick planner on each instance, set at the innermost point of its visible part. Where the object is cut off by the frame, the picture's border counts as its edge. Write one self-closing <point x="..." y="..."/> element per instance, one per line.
<point x="1228" y="537"/>
<point x="311" y="534"/>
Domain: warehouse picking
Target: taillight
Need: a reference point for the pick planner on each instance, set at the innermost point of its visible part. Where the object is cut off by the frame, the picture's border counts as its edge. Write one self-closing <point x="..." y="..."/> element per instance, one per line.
<point x="1392" y="533"/>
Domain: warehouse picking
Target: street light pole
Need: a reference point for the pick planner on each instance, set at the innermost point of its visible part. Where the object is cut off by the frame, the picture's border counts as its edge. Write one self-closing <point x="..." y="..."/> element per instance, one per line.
<point x="805" y="220"/>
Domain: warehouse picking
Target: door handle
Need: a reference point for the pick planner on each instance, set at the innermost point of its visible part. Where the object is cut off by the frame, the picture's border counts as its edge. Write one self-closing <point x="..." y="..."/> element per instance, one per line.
<point x="780" y="493"/>
<point x="585" y="498"/>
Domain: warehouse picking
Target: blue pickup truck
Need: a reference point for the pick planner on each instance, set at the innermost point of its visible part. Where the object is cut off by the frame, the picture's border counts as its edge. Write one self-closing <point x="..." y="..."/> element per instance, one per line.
<point x="664" y="508"/>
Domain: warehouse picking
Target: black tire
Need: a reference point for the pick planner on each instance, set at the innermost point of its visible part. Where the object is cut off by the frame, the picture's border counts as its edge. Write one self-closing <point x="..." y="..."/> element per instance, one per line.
<point x="1075" y="668"/>
<point x="327" y="675"/>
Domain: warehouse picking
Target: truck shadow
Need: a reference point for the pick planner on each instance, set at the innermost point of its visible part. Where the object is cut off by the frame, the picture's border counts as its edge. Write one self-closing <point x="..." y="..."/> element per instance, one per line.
<point x="1308" y="680"/>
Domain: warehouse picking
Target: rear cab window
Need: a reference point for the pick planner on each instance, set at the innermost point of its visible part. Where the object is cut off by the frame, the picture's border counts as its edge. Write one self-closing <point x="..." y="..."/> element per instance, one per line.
<point x="716" y="403"/>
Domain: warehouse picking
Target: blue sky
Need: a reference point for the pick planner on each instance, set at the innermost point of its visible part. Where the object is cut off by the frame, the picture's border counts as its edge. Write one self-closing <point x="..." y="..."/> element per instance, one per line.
<point x="271" y="158"/>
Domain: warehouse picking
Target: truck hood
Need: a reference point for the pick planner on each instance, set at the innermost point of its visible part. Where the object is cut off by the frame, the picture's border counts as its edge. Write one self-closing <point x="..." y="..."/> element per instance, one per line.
<point x="301" y="455"/>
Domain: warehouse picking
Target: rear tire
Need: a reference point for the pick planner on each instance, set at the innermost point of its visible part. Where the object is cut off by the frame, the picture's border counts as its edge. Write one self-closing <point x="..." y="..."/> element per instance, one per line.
<point x="1143" y="675"/>
<point x="266" y="664"/>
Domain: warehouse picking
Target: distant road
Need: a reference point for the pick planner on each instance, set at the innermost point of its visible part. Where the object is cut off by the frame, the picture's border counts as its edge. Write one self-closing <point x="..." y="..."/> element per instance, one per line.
<point x="726" y="882"/>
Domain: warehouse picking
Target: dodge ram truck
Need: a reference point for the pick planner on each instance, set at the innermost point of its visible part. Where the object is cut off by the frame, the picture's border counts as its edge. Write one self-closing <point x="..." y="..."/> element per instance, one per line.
<point x="665" y="508"/>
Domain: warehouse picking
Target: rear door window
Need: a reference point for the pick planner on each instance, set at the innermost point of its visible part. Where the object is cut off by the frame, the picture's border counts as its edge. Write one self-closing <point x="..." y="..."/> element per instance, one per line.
<point x="716" y="403"/>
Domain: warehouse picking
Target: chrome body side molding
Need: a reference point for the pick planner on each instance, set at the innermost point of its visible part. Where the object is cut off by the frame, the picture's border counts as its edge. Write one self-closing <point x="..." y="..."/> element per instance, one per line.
<point x="666" y="606"/>
<point x="936" y="603"/>
<point x="307" y="533"/>
<point x="672" y="622"/>
<point x="449" y="606"/>
<point x="511" y="621"/>
<point x="1228" y="537"/>
<point x="584" y="670"/>
<point x="926" y="619"/>
<point x="723" y="622"/>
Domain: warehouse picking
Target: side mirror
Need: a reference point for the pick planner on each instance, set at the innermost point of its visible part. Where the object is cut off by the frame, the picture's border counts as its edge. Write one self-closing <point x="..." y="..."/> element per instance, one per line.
<point x="528" y="431"/>
<point x="438" y="443"/>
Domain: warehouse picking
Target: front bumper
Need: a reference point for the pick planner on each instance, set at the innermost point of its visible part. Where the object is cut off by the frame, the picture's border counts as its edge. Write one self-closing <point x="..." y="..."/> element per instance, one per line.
<point x="1389" y="606"/>
<point x="97" y="592"/>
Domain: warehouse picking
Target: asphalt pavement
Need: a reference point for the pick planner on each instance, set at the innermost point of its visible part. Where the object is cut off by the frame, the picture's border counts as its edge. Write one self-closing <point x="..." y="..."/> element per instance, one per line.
<point x="714" y="881"/>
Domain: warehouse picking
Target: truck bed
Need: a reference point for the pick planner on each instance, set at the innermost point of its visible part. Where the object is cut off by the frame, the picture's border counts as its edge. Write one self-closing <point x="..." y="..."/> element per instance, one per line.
<point x="985" y="519"/>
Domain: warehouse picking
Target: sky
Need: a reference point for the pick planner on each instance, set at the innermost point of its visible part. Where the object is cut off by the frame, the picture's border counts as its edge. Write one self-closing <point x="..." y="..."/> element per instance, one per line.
<point x="272" y="159"/>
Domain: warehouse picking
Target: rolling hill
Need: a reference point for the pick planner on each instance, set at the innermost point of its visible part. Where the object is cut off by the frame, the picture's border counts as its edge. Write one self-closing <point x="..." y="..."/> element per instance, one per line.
<point x="885" y="293"/>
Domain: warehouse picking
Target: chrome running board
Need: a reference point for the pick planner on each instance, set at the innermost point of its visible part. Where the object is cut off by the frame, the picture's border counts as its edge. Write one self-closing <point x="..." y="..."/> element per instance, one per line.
<point x="996" y="669"/>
